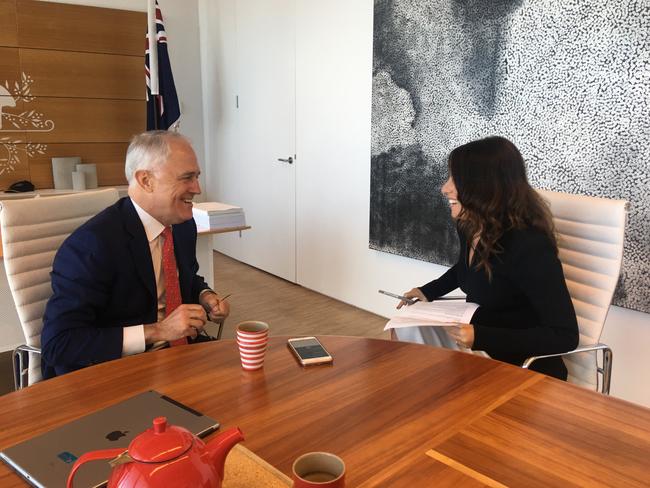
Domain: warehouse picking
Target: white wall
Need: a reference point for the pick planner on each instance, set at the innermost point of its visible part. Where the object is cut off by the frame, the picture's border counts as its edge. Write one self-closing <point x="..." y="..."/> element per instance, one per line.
<point x="218" y="49"/>
<point x="333" y="100"/>
<point x="182" y="26"/>
<point x="627" y="332"/>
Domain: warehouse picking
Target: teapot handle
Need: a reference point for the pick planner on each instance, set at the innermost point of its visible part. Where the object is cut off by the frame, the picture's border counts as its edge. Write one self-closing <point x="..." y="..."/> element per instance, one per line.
<point x="93" y="456"/>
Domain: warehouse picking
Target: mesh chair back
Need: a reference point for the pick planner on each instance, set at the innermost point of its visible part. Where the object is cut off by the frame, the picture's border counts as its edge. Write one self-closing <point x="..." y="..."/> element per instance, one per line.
<point x="590" y="240"/>
<point x="32" y="231"/>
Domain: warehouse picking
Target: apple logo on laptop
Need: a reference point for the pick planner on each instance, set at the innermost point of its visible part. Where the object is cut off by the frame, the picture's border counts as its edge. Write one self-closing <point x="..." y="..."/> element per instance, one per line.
<point x="116" y="434"/>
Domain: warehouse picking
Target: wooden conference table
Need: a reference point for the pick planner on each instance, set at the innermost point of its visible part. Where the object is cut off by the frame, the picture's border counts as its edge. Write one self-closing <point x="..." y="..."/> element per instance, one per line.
<point x="400" y="415"/>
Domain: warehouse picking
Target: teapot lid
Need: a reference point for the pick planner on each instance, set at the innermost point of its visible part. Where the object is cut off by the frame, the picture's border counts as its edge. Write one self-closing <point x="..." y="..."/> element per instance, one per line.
<point x="160" y="443"/>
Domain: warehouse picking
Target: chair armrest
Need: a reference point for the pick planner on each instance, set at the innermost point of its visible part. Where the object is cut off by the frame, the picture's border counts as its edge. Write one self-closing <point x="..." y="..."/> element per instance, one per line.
<point x="26" y="348"/>
<point x="589" y="348"/>
<point x="219" y="323"/>
<point x="19" y="362"/>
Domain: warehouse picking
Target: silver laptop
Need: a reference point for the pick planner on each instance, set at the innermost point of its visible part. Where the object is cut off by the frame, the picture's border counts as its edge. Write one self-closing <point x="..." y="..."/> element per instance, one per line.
<point x="46" y="460"/>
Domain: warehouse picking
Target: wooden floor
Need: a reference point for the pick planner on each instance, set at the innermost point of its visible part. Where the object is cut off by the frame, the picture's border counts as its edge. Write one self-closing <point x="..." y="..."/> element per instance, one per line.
<point x="289" y="309"/>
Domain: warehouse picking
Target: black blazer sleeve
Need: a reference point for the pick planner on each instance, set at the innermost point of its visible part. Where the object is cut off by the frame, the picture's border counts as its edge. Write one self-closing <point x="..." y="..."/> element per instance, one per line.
<point x="81" y="284"/>
<point x="534" y="269"/>
<point x="443" y="285"/>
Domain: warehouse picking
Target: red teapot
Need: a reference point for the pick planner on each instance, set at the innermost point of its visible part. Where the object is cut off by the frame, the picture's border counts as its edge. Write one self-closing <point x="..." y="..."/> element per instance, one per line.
<point x="166" y="455"/>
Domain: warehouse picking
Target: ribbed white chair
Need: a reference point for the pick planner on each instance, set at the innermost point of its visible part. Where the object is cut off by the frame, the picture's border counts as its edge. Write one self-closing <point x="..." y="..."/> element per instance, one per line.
<point x="32" y="231"/>
<point x="590" y="240"/>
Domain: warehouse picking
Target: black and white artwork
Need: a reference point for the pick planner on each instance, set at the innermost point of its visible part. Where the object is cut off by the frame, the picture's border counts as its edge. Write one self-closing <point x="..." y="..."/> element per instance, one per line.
<point x="568" y="81"/>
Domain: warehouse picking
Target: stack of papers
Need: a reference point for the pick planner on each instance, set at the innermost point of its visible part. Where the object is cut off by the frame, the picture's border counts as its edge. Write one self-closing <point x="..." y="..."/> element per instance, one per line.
<point x="215" y="215"/>
<point x="437" y="314"/>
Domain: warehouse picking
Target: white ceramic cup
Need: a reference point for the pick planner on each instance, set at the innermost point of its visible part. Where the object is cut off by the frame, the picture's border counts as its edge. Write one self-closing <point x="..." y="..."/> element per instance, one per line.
<point x="318" y="470"/>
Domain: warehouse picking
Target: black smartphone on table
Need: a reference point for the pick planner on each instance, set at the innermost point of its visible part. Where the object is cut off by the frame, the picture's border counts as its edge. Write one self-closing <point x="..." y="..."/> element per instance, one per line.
<point x="309" y="350"/>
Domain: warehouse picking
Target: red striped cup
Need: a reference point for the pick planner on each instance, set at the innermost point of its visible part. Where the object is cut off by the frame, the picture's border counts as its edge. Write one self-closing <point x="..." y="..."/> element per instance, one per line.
<point x="260" y="340"/>
<point x="252" y="365"/>
<point x="252" y="338"/>
<point x="251" y="349"/>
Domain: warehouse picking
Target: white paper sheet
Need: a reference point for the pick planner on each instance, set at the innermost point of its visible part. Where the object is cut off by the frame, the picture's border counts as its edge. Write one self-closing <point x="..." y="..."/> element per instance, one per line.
<point x="436" y="314"/>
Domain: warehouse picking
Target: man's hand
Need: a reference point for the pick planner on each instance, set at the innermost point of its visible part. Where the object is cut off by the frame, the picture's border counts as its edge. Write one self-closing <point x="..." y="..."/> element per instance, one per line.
<point x="215" y="308"/>
<point x="463" y="334"/>
<point x="186" y="321"/>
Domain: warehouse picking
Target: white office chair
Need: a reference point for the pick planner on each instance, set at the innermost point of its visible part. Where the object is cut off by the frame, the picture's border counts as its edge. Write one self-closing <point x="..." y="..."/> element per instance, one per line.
<point x="32" y="231"/>
<point x="590" y="240"/>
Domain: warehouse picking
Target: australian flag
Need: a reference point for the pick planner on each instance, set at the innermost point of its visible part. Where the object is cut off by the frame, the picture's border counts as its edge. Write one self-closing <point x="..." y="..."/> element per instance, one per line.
<point x="163" y="111"/>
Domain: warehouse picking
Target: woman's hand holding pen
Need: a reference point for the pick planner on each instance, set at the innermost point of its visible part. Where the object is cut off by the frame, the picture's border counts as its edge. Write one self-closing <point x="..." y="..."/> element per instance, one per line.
<point x="415" y="294"/>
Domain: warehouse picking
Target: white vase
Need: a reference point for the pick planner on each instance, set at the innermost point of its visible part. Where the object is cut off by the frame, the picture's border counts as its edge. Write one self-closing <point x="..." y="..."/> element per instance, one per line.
<point x="91" y="174"/>
<point x="78" y="180"/>
<point x="62" y="169"/>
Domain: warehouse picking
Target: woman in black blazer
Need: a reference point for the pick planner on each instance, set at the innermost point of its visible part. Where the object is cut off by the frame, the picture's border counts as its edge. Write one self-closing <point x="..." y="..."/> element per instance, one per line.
<point x="507" y="264"/>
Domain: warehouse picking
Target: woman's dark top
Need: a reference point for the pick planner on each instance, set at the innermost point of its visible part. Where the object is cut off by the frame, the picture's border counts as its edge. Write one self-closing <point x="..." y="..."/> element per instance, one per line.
<point x="525" y="310"/>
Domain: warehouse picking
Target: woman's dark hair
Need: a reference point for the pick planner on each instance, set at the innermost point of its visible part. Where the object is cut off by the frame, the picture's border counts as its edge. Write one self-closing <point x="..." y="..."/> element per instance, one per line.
<point x="490" y="178"/>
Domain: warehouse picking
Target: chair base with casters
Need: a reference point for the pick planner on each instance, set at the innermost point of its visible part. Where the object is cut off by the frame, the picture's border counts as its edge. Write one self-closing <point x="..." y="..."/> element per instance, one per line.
<point x="604" y="372"/>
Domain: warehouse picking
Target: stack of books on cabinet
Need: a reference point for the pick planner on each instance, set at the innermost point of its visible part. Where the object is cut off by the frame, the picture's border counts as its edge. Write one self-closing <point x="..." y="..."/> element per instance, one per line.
<point x="216" y="216"/>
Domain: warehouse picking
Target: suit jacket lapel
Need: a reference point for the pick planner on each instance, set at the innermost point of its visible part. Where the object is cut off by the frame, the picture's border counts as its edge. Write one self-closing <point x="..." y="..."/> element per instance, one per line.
<point x="139" y="247"/>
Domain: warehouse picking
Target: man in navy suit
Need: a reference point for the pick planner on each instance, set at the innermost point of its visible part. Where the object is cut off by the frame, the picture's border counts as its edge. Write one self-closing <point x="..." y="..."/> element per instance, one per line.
<point x="108" y="278"/>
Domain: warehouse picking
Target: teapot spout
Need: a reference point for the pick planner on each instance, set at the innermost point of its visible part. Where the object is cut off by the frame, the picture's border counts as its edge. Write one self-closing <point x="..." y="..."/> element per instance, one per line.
<point x="219" y="447"/>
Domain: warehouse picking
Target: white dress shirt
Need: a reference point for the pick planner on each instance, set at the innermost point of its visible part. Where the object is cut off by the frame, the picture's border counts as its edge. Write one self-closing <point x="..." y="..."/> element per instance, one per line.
<point x="133" y="336"/>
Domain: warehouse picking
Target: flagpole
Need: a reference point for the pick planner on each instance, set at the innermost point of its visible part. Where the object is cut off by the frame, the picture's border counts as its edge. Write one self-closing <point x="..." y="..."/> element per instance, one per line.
<point x="162" y="99"/>
<point x="152" y="31"/>
<point x="153" y="46"/>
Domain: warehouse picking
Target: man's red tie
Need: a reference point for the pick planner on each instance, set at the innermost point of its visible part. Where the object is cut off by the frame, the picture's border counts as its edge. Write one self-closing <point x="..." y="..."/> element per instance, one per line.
<point x="172" y="288"/>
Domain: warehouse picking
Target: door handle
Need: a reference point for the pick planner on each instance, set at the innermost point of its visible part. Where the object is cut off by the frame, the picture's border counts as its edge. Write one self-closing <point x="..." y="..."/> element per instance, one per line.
<point x="287" y="160"/>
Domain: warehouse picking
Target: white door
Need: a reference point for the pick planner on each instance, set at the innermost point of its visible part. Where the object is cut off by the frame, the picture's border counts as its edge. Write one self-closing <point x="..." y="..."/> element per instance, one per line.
<point x="264" y="97"/>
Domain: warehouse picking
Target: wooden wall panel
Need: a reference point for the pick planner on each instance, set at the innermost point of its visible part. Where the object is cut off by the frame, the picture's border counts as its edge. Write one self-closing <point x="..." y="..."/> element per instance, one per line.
<point x="79" y="28"/>
<point x="12" y="123"/>
<point x="89" y="119"/>
<point x="8" y="26"/>
<point x="109" y="159"/>
<point x="10" y="110"/>
<point x="9" y="66"/>
<point x="81" y="71"/>
<point x="14" y="164"/>
<point x="87" y="75"/>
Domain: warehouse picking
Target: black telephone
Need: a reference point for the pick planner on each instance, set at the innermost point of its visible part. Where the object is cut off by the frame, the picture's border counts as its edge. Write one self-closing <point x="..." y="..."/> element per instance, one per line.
<point x="20" y="187"/>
